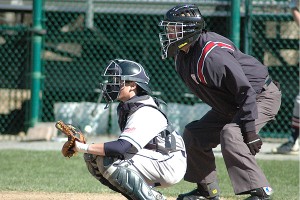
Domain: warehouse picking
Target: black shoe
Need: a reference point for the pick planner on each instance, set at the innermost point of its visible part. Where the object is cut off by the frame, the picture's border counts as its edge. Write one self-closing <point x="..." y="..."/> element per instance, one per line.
<point x="196" y="195"/>
<point x="263" y="193"/>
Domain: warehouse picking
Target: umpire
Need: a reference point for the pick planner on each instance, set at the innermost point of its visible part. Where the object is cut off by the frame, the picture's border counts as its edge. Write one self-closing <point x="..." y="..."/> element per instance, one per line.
<point x="242" y="96"/>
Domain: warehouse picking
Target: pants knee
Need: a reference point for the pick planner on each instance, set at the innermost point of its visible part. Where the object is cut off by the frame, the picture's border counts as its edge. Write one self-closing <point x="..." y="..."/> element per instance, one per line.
<point x="230" y="134"/>
<point x="98" y="165"/>
<point x="91" y="164"/>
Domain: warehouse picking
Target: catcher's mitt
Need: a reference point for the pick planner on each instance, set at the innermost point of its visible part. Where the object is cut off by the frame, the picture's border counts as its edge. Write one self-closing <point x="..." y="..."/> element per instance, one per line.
<point x="73" y="134"/>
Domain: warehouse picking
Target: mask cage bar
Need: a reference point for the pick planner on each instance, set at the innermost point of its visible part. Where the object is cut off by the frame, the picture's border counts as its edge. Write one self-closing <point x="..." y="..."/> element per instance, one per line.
<point x="173" y="31"/>
<point x="113" y="83"/>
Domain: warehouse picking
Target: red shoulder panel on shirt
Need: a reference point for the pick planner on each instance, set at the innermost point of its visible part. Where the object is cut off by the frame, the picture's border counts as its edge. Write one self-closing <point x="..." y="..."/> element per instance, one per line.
<point x="205" y="51"/>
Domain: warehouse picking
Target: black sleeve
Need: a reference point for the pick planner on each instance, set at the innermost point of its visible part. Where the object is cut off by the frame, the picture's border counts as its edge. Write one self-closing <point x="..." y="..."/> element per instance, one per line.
<point x="116" y="148"/>
<point x="225" y="67"/>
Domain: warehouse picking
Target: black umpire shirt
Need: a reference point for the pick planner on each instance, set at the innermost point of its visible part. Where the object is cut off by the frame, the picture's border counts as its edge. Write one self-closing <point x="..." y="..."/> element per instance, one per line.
<point x="223" y="77"/>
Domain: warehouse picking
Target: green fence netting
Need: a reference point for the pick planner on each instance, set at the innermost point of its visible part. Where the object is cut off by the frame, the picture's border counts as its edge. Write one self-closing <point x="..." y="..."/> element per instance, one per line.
<point x="82" y="36"/>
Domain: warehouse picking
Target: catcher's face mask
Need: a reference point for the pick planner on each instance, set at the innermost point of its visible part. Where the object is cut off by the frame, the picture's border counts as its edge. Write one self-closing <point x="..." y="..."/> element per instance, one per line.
<point x="114" y="82"/>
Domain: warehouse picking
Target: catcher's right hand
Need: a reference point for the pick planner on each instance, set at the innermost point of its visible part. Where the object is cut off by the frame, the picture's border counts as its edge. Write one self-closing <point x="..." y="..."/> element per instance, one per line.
<point x="73" y="134"/>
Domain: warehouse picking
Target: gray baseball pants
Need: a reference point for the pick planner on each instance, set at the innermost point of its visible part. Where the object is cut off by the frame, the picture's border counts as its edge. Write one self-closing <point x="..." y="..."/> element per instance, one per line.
<point x="201" y="136"/>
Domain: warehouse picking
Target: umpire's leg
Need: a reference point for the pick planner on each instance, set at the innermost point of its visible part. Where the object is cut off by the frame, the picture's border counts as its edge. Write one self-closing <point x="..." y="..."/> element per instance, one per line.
<point x="242" y="167"/>
<point x="244" y="173"/>
<point x="200" y="137"/>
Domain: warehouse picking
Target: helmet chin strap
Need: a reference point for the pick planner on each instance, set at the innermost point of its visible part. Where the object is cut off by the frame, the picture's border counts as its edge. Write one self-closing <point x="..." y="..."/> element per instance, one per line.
<point x="191" y="44"/>
<point x="194" y="39"/>
<point x="186" y="48"/>
<point x="174" y="50"/>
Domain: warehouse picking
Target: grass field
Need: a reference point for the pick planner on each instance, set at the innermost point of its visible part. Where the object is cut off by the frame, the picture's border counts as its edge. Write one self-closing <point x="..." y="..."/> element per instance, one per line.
<point x="48" y="171"/>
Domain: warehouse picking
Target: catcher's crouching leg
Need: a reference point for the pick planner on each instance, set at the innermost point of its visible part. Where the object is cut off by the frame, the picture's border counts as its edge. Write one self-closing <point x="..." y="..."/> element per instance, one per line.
<point x="126" y="179"/>
<point x="90" y="161"/>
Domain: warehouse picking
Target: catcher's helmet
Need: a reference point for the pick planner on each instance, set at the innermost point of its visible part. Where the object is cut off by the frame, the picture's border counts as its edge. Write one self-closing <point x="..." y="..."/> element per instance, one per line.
<point x="118" y="71"/>
<point x="182" y="25"/>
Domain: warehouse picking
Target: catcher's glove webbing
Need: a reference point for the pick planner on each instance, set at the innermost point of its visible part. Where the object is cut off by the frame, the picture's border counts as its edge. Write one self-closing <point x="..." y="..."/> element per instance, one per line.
<point x="73" y="134"/>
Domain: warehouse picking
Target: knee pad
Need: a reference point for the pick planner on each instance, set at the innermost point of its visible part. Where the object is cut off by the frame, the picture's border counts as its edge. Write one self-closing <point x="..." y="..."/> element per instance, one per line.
<point x="104" y="163"/>
<point x="129" y="181"/>
<point x="92" y="165"/>
<point x="90" y="161"/>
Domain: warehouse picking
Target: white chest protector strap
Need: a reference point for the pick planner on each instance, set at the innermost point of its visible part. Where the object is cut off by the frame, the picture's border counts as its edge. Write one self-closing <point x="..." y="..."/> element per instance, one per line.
<point x="168" y="140"/>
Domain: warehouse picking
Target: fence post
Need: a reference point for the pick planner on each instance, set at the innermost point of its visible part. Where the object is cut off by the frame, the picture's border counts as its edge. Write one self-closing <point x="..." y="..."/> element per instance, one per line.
<point x="248" y="27"/>
<point x="235" y="22"/>
<point x="36" y="73"/>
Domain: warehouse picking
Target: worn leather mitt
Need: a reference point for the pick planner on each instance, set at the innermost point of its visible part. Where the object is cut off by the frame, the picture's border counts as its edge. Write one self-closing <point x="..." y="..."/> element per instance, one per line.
<point x="73" y="135"/>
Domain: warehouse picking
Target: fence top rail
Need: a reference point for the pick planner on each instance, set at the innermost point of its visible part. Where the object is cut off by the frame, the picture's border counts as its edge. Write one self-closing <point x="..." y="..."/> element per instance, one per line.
<point x="208" y="7"/>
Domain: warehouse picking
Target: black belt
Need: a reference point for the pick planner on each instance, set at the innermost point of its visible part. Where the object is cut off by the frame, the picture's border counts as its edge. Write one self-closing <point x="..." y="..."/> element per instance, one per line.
<point x="268" y="80"/>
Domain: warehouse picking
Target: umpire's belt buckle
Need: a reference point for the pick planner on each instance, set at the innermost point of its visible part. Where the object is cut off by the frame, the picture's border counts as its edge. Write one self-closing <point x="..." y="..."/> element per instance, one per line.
<point x="268" y="81"/>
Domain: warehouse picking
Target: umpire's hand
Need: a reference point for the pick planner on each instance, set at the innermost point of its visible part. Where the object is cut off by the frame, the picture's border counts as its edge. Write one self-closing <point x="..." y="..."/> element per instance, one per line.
<point x="253" y="142"/>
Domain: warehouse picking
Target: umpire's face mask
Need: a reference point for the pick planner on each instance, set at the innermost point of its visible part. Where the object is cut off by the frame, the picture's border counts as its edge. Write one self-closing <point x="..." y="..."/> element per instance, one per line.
<point x="112" y="87"/>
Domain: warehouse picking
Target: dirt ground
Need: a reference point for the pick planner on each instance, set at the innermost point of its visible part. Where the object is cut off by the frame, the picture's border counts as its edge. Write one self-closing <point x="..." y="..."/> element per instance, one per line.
<point x="16" y="195"/>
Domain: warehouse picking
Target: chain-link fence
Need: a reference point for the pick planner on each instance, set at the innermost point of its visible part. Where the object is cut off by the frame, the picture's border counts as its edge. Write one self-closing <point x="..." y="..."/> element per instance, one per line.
<point x="83" y="35"/>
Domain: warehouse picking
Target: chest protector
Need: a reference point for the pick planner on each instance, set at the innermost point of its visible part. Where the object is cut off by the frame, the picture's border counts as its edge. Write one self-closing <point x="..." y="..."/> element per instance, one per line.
<point x="166" y="141"/>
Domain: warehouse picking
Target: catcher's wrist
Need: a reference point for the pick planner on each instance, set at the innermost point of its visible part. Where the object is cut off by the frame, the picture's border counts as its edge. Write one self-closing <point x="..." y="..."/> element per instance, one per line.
<point x="81" y="147"/>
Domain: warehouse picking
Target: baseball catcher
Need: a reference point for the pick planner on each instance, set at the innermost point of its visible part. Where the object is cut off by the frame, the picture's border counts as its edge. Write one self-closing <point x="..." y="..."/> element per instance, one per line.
<point x="148" y="152"/>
